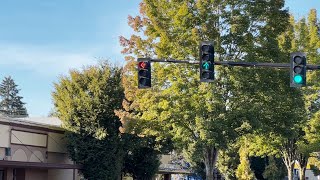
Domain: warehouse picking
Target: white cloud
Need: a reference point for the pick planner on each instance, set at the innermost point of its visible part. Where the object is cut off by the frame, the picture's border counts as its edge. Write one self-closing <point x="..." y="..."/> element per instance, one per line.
<point x="47" y="61"/>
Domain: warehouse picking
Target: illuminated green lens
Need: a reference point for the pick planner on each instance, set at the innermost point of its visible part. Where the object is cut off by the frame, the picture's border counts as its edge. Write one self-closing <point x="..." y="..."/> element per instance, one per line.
<point x="206" y="65"/>
<point x="298" y="79"/>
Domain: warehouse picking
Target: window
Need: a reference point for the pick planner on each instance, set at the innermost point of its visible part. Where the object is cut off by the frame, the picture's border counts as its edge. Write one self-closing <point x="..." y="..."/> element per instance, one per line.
<point x="8" y="151"/>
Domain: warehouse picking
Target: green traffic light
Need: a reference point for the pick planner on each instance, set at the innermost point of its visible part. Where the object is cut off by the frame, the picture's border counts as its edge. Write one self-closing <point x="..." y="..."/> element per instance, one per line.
<point x="206" y="65"/>
<point x="298" y="79"/>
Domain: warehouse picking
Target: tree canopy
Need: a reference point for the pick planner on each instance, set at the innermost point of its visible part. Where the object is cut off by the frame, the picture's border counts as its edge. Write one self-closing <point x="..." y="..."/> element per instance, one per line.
<point x="85" y="102"/>
<point x="11" y="103"/>
<point x="203" y="118"/>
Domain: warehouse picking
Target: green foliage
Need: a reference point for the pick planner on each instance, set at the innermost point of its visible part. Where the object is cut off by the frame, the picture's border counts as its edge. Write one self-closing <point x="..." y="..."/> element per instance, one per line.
<point x="228" y="161"/>
<point x="101" y="158"/>
<point x="258" y="166"/>
<point x="199" y="169"/>
<point x="203" y="118"/>
<point x="244" y="171"/>
<point x="85" y="102"/>
<point x="303" y="36"/>
<point x="275" y="169"/>
<point x="11" y="104"/>
<point x="311" y="139"/>
<point x="315" y="170"/>
<point x="142" y="160"/>
<point x="314" y="162"/>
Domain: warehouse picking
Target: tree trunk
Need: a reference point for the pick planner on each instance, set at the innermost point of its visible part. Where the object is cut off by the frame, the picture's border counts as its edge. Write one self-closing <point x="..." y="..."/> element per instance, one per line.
<point x="290" y="174"/>
<point x="302" y="173"/>
<point x="290" y="171"/>
<point x="210" y="157"/>
<point x="289" y="165"/>
<point x="288" y="156"/>
<point x="303" y="161"/>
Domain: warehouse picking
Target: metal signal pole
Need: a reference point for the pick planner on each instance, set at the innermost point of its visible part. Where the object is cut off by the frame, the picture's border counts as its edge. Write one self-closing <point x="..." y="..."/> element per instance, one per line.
<point x="232" y="63"/>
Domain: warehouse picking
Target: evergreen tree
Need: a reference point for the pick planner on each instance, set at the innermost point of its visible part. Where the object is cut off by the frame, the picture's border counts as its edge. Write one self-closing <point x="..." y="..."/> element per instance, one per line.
<point x="11" y="103"/>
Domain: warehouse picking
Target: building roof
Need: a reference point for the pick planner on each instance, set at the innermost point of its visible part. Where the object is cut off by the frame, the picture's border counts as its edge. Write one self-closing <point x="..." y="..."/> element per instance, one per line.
<point x="50" y="121"/>
<point x="41" y="122"/>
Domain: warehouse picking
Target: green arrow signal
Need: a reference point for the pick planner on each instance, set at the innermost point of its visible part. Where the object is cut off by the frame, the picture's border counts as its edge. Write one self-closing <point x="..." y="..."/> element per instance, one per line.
<point x="206" y="65"/>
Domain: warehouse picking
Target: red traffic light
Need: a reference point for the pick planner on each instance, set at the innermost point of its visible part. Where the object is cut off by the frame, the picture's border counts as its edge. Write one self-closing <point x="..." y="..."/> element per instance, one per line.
<point x="144" y="73"/>
<point x="143" y="65"/>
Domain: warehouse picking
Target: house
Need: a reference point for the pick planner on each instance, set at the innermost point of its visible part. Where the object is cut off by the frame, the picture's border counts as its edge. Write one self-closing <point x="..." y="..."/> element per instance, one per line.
<point x="309" y="174"/>
<point x="34" y="149"/>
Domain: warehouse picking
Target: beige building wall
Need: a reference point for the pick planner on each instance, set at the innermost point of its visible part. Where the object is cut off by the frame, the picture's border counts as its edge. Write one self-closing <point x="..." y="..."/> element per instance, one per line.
<point x="56" y="143"/>
<point x="19" y="155"/>
<point x="27" y="138"/>
<point x="2" y="153"/>
<point x="36" y="174"/>
<point x="165" y="159"/>
<point x="36" y="156"/>
<point x="30" y="153"/>
<point x="5" y="136"/>
<point x="311" y="175"/>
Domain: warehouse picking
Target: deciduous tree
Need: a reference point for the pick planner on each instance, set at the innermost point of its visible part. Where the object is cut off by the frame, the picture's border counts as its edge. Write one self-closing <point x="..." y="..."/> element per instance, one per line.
<point x="85" y="101"/>
<point x="304" y="36"/>
<point x="201" y="117"/>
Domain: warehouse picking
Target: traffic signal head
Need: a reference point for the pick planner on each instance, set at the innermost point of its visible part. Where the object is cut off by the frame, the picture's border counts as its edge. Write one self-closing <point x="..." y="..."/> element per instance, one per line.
<point x="298" y="68"/>
<point x="206" y="55"/>
<point x="144" y="73"/>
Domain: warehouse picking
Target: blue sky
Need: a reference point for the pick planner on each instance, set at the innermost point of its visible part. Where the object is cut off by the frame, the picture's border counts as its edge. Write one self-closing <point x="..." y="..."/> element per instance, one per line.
<point x="42" y="39"/>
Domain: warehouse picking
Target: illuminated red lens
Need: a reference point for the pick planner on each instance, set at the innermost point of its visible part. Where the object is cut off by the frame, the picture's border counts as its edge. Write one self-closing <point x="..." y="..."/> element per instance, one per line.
<point x="143" y="65"/>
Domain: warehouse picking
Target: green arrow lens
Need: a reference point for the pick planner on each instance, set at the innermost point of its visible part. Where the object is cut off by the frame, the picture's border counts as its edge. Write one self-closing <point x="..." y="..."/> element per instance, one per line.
<point x="298" y="79"/>
<point x="206" y="65"/>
